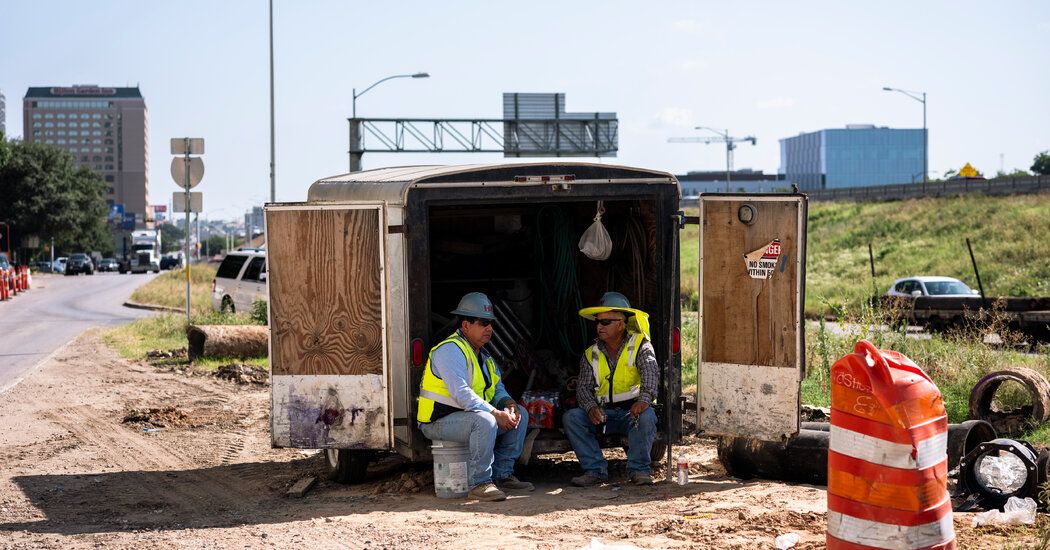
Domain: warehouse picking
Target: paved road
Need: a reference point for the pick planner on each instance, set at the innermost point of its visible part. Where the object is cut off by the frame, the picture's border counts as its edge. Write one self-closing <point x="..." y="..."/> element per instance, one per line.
<point x="56" y="310"/>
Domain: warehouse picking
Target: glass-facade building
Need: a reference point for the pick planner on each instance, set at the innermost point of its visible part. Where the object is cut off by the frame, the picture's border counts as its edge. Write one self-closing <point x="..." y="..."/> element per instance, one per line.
<point x="855" y="156"/>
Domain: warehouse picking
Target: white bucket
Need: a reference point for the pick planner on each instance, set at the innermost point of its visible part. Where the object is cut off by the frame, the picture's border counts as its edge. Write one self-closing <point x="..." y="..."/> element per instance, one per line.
<point x="451" y="475"/>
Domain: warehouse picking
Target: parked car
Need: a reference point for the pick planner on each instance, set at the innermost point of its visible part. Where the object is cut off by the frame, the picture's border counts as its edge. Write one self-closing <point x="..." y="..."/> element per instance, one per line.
<point x="60" y="264"/>
<point x="42" y="266"/>
<point x="4" y="262"/>
<point x="108" y="264"/>
<point x="931" y="286"/>
<point x="172" y="260"/>
<point x="80" y="263"/>
<point x="239" y="281"/>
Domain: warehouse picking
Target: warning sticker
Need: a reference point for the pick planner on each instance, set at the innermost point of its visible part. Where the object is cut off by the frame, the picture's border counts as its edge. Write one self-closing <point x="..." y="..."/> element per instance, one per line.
<point x="762" y="262"/>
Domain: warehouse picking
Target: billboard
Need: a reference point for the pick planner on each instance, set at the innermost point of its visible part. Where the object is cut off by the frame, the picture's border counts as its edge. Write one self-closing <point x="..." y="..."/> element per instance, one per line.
<point x="537" y="125"/>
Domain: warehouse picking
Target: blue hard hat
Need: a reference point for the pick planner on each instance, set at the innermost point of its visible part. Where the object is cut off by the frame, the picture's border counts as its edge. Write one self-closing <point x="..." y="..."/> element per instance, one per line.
<point x="475" y="304"/>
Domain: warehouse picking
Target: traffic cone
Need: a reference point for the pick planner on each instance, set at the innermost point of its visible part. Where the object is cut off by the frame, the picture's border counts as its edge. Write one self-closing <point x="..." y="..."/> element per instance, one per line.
<point x="3" y="284"/>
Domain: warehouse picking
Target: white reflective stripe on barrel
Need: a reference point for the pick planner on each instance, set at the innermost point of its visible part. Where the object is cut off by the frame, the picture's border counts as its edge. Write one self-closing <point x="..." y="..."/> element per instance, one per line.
<point x="884" y="535"/>
<point x="930" y="451"/>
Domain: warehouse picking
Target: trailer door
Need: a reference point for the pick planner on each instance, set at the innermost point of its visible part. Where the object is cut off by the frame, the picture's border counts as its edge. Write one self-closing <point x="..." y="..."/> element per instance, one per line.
<point x="327" y="307"/>
<point x="752" y="288"/>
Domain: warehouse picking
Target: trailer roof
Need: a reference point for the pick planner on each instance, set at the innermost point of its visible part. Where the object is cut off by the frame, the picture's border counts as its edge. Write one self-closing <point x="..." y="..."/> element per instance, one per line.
<point x="392" y="184"/>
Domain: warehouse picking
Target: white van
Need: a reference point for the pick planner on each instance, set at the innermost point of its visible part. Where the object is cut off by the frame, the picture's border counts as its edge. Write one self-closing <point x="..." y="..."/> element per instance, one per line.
<point x="240" y="281"/>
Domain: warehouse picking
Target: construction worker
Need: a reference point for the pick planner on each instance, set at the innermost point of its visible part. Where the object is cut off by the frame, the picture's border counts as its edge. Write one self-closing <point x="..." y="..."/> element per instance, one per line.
<point x="462" y="399"/>
<point x="615" y="389"/>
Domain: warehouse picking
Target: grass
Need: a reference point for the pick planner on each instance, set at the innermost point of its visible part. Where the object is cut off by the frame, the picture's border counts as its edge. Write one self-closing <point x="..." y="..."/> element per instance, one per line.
<point x="167" y="331"/>
<point x="169" y="289"/>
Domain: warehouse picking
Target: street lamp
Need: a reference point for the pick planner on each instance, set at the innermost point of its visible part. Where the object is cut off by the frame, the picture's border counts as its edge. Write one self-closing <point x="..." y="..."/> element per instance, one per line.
<point x="925" y="138"/>
<point x="380" y="81"/>
<point x="355" y="151"/>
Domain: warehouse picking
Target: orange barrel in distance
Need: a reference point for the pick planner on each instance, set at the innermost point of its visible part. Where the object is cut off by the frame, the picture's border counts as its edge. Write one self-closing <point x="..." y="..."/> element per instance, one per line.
<point x="887" y="456"/>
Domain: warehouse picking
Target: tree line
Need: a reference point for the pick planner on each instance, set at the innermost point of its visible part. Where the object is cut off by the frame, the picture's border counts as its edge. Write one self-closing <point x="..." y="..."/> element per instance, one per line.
<point x="44" y="193"/>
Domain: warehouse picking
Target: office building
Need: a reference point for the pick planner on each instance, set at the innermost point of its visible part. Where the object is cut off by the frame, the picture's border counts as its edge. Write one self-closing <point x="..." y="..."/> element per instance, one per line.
<point x="855" y="156"/>
<point x="105" y="129"/>
<point x="744" y="180"/>
<point x="3" y="114"/>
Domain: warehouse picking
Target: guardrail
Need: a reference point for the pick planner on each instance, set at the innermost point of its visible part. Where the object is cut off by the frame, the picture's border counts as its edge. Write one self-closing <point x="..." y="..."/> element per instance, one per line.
<point x="997" y="186"/>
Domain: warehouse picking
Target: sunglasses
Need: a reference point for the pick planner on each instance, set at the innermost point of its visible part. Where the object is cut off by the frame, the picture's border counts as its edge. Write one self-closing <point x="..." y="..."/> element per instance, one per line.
<point x="482" y="322"/>
<point x="607" y="322"/>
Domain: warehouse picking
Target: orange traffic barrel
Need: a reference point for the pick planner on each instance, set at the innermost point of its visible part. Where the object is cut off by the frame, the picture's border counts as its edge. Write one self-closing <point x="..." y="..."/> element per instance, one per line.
<point x="887" y="455"/>
<point x="3" y="284"/>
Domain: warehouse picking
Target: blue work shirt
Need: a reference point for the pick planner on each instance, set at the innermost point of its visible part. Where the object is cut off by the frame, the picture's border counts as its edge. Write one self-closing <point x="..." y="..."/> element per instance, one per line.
<point x="449" y="364"/>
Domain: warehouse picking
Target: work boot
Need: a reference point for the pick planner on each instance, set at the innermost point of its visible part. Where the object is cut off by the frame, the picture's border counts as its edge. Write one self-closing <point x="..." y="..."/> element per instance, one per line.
<point x="588" y="479"/>
<point x="487" y="492"/>
<point x="641" y="478"/>
<point x="514" y="484"/>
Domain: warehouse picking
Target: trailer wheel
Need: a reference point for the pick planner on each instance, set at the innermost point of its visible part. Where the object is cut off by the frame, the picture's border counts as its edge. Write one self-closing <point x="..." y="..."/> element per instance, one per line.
<point x="348" y="465"/>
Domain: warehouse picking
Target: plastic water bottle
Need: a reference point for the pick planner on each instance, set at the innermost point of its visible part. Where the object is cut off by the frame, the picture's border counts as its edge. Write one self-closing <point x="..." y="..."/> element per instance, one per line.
<point x="683" y="469"/>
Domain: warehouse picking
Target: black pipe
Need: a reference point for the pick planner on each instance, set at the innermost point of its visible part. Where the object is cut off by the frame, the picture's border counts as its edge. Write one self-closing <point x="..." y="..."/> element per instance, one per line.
<point x="965" y="437"/>
<point x="803" y="458"/>
<point x="871" y="260"/>
<point x="975" y="272"/>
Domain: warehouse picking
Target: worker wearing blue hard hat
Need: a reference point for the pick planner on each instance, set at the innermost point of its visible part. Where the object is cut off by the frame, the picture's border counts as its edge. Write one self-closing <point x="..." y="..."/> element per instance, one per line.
<point x="462" y="399"/>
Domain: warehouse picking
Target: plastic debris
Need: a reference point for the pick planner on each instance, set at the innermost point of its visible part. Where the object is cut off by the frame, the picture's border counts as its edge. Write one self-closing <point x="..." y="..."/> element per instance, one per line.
<point x="787" y="540"/>
<point x="1006" y="472"/>
<point x="1015" y="511"/>
<point x="599" y="545"/>
<point x="151" y="430"/>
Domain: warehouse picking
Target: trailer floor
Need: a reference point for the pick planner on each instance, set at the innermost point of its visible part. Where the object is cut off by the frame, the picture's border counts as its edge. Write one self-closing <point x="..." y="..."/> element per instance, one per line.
<point x="98" y="451"/>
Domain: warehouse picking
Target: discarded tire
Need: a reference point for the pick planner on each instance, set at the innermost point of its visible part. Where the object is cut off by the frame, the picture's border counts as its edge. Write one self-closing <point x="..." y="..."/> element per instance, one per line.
<point x="1014" y="421"/>
<point x="964" y="438"/>
<point x="802" y="459"/>
<point x="235" y="341"/>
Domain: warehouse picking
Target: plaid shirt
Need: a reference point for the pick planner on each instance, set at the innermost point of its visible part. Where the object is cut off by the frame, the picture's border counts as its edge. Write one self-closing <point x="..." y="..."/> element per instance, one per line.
<point x="647" y="366"/>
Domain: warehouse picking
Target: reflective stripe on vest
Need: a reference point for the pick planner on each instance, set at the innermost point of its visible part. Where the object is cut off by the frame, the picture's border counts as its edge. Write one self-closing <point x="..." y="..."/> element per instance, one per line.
<point x="433" y="390"/>
<point x="627" y="382"/>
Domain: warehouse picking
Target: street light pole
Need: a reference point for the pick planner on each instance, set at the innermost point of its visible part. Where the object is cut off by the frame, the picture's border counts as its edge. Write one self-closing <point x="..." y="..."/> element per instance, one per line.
<point x="925" y="137"/>
<point x="273" y="162"/>
<point x="355" y="123"/>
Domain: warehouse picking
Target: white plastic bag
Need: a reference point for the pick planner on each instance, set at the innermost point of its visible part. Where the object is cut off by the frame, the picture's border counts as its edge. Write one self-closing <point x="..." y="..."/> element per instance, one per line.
<point x="1015" y="510"/>
<point x="595" y="242"/>
<point x="787" y="540"/>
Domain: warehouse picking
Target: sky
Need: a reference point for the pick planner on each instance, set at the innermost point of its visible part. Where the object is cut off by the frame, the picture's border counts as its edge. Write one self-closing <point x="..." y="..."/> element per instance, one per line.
<point x="767" y="69"/>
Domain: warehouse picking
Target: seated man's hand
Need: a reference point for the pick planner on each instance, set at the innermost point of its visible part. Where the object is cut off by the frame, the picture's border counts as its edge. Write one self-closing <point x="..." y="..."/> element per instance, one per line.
<point x="504" y="420"/>
<point x="595" y="415"/>
<point x="515" y="416"/>
<point x="638" y="408"/>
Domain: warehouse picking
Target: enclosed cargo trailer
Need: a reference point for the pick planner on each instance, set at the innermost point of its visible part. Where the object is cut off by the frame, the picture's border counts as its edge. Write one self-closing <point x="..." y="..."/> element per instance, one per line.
<point x="363" y="275"/>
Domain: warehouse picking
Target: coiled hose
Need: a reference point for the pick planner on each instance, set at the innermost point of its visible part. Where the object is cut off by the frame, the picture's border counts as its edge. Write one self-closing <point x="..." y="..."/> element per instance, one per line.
<point x="555" y="251"/>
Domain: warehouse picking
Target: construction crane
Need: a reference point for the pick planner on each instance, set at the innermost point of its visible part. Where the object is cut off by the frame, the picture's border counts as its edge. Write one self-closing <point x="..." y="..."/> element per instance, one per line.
<point x="723" y="137"/>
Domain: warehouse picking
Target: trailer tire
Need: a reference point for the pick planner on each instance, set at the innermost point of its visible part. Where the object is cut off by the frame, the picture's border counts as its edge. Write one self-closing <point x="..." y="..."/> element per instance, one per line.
<point x="1011" y="422"/>
<point x="348" y="466"/>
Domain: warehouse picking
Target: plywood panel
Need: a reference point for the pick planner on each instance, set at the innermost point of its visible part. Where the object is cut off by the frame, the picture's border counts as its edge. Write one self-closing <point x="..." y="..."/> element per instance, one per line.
<point x="326" y="289"/>
<point x="749" y="321"/>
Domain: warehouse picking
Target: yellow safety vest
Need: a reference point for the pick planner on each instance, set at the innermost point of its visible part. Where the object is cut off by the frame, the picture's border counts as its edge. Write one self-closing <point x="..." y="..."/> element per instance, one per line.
<point x="432" y="389"/>
<point x="626" y="381"/>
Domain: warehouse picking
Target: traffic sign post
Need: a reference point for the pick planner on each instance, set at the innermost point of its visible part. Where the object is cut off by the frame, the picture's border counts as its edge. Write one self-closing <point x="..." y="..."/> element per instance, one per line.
<point x="187" y="173"/>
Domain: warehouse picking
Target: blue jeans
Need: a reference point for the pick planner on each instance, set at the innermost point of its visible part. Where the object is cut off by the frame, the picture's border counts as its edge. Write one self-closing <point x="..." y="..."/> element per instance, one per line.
<point x="583" y="436"/>
<point x="492" y="450"/>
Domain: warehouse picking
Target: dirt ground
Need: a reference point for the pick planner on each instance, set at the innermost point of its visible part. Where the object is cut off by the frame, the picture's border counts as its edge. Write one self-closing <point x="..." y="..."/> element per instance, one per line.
<point x="100" y="452"/>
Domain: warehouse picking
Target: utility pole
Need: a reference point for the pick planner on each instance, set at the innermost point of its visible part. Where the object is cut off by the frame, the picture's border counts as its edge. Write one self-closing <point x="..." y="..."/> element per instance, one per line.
<point x="723" y="137"/>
